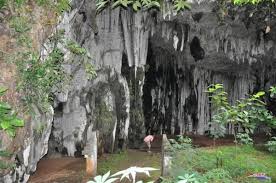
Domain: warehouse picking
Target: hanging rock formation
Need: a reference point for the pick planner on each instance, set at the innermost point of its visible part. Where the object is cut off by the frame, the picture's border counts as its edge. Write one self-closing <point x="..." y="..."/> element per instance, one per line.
<point x="153" y="71"/>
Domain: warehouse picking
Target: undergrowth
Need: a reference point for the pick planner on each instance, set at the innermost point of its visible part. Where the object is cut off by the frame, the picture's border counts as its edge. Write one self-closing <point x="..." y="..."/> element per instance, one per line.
<point x="234" y="167"/>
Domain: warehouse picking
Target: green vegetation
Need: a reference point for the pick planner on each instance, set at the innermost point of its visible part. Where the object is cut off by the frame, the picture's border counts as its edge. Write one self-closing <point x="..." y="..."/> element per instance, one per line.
<point x="59" y="6"/>
<point x="272" y="91"/>
<point x="203" y="163"/>
<point x="271" y="145"/>
<point x="4" y="164"/>
<point x="231" y="164"/>
<point x="38" y="78"/>
<point x="75" y="48"/>
<point x="136" y="5"/>
<point x="244" y="138"/>
<point x="111" y="164"/>
<point x="127" y="174"/>
<point x="123" y="160"/>
<point x="5" y="153"/>
<point x="2" y="3"/>
<point x="187" y="178"/>
<point x="247" y="112"/>
<point x="8" y="118"/>
<point x="179" y="5"/>
<point x="254" y="2"/>
<point x="180" y="142"/>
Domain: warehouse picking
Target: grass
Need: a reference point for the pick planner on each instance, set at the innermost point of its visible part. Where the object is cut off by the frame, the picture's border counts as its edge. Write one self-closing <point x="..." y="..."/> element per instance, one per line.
<point x="126" y="159"/>
<point x="238" y="163"/>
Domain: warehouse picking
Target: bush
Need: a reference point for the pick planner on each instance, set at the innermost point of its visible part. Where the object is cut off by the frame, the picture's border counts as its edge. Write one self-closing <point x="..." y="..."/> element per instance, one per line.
<point x="2" y="3"/>
<point x="247" y="112"/>
<point x="181" y="142"/>
<point x="271" y="145"/>
<point x="244" y="138"/>
<point x="217" y="175"/>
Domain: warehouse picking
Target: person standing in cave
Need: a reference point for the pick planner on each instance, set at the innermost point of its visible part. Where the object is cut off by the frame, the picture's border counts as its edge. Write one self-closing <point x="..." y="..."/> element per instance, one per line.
<point x="148" y="140"/>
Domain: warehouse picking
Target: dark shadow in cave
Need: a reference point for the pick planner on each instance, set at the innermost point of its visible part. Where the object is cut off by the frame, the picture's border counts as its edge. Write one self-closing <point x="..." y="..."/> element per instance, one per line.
<point x="164" y="80"/>
<point x="196" y="50"/>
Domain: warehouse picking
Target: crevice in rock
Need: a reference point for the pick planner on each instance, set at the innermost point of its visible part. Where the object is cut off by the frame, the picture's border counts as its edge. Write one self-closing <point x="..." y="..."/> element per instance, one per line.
<point x="196" y="50"/>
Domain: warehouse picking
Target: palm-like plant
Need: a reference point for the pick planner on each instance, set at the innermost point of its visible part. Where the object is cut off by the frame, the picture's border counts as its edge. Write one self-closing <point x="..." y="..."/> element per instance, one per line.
<point x="187" y="178"/>
<point x="106" y="178"/>
<point x="129" y="173"/>
<point x="133" y="171"/>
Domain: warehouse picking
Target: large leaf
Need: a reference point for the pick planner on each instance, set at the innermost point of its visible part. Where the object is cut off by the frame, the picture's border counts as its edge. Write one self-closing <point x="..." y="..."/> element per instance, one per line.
<point x="133" y="171"/>
<point x="137" y="5"/>
<point x="105" y="177"/>
<point x="5" y="125"/>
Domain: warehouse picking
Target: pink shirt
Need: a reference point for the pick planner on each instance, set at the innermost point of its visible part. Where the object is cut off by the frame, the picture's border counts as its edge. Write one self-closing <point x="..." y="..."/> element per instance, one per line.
<point x="148" y="138"/>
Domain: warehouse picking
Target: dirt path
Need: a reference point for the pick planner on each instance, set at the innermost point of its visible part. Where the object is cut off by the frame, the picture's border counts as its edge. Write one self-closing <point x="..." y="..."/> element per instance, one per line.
<point x="72" y="170"/>
<point x="60" y="170"/>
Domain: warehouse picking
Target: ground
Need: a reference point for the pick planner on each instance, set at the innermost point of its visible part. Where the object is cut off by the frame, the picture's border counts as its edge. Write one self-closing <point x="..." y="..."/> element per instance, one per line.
<point x="72" y="170"/>
<point x="237" y="163"/>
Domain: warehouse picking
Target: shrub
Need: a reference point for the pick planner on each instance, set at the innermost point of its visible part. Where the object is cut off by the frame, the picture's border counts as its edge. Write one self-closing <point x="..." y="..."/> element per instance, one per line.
<point x="244" y="138"/>
<point x="181" y="142"/>
<point x="271" y="145"/>
<point x="217" y="175"/>
<point x="2" y="3"/>
<point x="247" y="112"/>
<point x="187" y="178"/>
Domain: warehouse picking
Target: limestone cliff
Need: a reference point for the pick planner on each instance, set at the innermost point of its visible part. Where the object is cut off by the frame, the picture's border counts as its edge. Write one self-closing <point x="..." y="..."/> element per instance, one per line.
<point x="154" y="68"/>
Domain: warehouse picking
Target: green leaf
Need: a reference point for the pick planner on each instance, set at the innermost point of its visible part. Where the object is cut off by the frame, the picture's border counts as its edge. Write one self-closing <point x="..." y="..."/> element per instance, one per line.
<point x="137" y="5"/>
<point x="180" y="5"/>
<point x="5" y="125"/>
<point x="17" y="122"/>
<point x="4" y="106"/>
<point x="259" y="94"/>
<point x="11" y="132"/>
<point x="101" y="4"/>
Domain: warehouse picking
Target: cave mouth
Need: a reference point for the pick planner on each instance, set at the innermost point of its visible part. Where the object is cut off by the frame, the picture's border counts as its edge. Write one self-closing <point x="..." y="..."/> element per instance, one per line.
<point x="169" y="100"/>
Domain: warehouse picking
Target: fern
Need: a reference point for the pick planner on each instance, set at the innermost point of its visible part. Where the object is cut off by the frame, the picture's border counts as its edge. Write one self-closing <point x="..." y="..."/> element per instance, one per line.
<point x="8" y="119"/>
<point x="179" y="5"/>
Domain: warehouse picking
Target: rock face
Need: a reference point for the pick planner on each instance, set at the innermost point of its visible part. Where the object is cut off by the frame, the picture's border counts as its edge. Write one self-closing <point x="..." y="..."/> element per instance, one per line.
<point x="34" y="146"/>
<point x="153" y="71"/>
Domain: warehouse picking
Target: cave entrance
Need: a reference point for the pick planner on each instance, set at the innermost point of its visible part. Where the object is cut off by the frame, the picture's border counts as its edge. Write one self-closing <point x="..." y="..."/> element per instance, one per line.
<point x="169" y="98"/>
